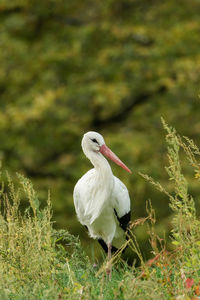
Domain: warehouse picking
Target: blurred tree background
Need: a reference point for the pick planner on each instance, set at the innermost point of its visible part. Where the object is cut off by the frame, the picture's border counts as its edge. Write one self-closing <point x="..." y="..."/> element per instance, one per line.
<point x="113" y="66"/>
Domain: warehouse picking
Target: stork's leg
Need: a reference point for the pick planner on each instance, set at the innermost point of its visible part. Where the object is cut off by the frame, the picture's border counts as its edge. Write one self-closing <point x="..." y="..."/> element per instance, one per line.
<point x="109" y="264"/>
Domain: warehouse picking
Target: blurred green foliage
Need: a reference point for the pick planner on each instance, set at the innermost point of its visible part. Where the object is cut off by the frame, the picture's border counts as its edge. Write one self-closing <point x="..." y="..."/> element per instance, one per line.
<point x="113" y="66"/>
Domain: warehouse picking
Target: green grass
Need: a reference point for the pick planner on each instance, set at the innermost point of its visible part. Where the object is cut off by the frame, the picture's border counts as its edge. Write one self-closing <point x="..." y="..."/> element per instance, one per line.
<point x="38" y="262"/>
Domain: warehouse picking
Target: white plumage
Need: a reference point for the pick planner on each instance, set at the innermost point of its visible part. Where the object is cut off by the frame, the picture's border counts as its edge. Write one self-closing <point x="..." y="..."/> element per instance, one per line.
<point x="101" y="200"/>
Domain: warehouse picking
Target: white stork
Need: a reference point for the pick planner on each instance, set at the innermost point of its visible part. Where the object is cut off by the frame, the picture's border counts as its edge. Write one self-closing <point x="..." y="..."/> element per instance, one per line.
<point x="101" y="200"/>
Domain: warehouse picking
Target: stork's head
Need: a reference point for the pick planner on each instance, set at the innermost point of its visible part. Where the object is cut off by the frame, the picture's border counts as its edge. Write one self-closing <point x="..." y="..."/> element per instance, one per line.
<point x="94" y="142"/>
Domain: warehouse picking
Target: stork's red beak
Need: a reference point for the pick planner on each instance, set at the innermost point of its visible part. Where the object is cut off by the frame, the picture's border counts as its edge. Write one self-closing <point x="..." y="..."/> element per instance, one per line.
<point x="108" y="153"/>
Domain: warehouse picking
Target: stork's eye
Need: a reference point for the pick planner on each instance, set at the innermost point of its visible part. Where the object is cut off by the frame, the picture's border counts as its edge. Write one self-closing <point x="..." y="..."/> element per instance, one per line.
<point x="95" y="141"/>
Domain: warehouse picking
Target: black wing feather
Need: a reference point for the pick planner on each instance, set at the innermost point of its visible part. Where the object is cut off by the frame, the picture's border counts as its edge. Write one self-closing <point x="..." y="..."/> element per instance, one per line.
<point x="124" y="220"/>
<point x="104" y="246"/>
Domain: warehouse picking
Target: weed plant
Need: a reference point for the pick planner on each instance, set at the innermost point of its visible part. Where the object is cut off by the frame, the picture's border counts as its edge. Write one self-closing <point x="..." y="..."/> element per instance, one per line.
<point x="38" y="262"/>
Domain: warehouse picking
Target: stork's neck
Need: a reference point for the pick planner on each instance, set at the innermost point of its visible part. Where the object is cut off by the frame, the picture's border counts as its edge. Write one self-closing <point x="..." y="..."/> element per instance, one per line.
<point x="100" y="164"/>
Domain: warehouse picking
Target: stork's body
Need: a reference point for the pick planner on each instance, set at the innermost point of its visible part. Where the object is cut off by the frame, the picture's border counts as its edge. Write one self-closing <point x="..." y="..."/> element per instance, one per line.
<point x="101" y="200"/>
